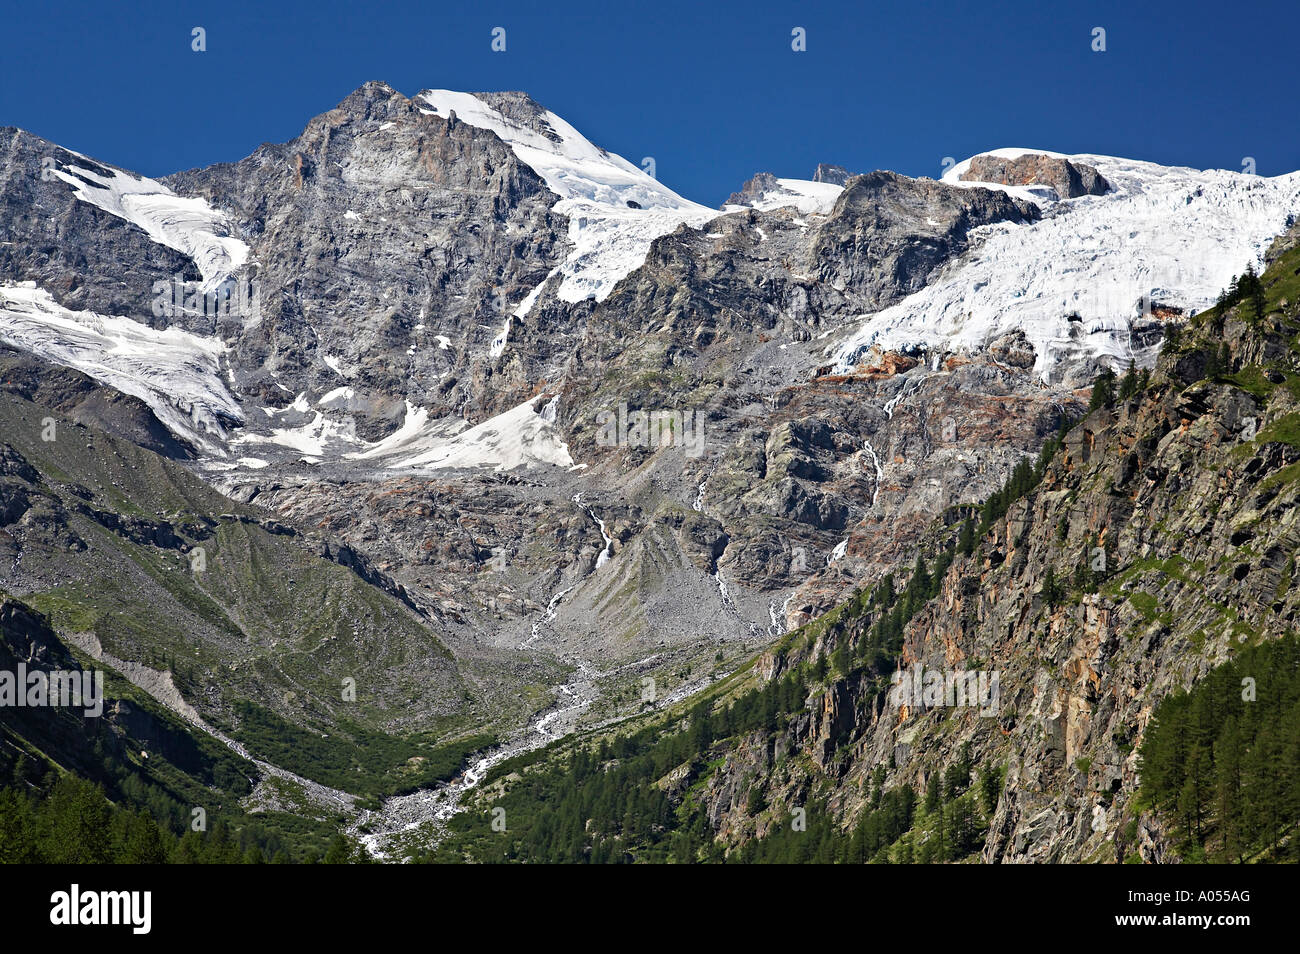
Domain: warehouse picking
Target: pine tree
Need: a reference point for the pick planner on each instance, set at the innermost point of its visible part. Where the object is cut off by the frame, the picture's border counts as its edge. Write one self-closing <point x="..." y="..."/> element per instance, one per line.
<point x="17" y="828"/>
<point x="840" y="658"/>
<point x="1103" y="390"/>
<point x="966" y="542"/>
<point x="906" y="855"/>
<point x="941" y="565"/>
<point x="887" y="594"/>
<point x="920" y="582"/>
<point x="339" y="851"/>
<point x="1227" y="757"/>
<point x="932" y="793"/>
<point x="22" y="771"/>
<point x="75" y="823"/>
<point x="143" y="844"/>
<point x="1051" y="588"/>
<point x="989" y="513"/>
<point x="1128" y="385"/>
<point x="1250" y="288"/>
<point x="1082" y="570"/>
<point x="990" y="786"/>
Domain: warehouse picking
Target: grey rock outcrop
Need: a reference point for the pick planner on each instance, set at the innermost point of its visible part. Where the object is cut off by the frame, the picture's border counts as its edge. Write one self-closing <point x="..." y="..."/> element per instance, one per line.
<point x="835" y="175"/>
<point x="889" y="233"/>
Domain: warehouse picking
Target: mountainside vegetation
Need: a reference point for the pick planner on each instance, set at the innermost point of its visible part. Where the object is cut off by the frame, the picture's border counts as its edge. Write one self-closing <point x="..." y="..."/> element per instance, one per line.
<point x="1132" y="587"/>
<point x="204" y="615"/>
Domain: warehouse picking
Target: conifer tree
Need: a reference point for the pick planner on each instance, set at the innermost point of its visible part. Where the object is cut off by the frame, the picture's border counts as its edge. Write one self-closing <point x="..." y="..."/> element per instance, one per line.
<point x="1128" y="385"/>
<point x="1103" y="390"/>
<point x="966" y="542"/>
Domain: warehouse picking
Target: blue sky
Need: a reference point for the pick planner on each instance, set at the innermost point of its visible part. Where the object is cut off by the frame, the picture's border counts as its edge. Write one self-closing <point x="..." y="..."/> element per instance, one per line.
<point x="713" y="91"/>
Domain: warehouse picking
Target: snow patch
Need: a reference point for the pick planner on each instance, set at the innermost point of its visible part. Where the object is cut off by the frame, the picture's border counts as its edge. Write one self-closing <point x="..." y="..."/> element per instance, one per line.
<point x="610" y="237"/>
<point x="190" y="226"/>
<point x="315" y="438"/>
<point x="176" y="373"/>
<point x="810" y="198"/>
<point x="524" y="436"/>
<point x="339" y="399"/>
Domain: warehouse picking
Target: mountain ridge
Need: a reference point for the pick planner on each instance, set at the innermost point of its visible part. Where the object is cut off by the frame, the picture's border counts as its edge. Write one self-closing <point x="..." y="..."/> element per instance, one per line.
<point x="436" y="301"/>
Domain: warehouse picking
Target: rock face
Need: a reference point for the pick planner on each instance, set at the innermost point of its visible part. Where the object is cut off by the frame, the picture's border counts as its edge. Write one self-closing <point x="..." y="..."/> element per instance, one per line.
<point x="761" y="184"/>
<point x="890" y="232"/>
<point x="1284" y="242"/>
<point x="835" y="175"/>
<point x="378" y="226"/>
<point x="1069" y="179"/>
<point x="85" y="257"/>
<point x="1189" y="498"/>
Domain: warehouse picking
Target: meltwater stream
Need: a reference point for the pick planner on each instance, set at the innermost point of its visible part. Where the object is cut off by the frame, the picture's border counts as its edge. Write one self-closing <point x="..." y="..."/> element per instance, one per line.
<point x="405" y="814"/>
<point x="402" y="814"/>
<point x="608" y="550"/>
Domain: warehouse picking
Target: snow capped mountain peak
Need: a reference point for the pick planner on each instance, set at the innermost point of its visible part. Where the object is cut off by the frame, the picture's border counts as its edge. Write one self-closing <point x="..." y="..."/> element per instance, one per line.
<point x="1040" y="195"/>
<point x="1071" y="281"/>
<point x="955" y="172"/>
<point x="615" y="209"/>
<point x="572" y="166"/>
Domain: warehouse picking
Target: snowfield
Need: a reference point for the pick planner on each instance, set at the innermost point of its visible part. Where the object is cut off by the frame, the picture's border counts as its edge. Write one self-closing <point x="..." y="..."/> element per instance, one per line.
<point x="524" y="436"/>
<point x="610" y="237"/>
<point x="176" y="373"/>
<point x="190" y="226"/>
<point x="806" y="196"/>
<point x="1175" y="234"/>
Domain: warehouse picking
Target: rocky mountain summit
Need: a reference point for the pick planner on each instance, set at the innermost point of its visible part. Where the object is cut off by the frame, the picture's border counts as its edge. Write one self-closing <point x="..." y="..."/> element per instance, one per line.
<point x="1068" y="180"/>
<point x="833" y="174"/>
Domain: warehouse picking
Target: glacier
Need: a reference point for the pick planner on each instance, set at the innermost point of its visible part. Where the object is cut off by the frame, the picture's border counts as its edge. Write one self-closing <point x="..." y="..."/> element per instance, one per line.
<point x="188" y="225"/>
<point x="176" y="373"/>
<point x="610" y="237"/>
<point x="1175" y="234"/>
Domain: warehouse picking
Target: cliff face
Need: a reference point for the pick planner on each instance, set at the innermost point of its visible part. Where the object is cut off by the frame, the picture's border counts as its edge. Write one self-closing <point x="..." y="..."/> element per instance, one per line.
<point x="1160" y="542"/>
<point x="380" y="219"/>
<point x="1068" y="179"/>
<point x="890" y="232"/>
